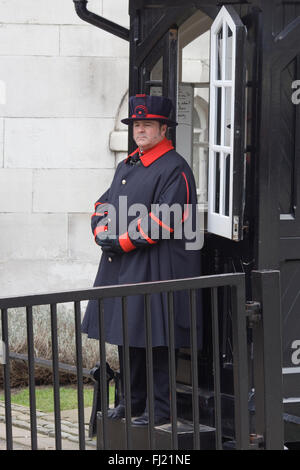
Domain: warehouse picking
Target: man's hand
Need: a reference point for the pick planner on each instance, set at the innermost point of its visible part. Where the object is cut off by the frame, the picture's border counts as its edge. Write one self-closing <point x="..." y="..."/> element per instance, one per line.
<point x="109" y="244"/>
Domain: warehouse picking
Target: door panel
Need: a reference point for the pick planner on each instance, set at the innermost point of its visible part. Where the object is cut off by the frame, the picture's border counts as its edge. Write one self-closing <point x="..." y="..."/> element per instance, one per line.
<point x="286" y="115"/>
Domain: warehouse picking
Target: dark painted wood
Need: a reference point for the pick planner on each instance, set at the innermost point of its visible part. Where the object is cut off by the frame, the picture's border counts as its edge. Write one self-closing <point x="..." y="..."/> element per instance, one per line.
<point x="271" y="224"/>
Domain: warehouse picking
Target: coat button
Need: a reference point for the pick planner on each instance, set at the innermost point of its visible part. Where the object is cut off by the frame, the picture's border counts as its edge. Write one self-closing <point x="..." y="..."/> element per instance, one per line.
<point x="124" y="181"/>
<point x="110" y="259"/>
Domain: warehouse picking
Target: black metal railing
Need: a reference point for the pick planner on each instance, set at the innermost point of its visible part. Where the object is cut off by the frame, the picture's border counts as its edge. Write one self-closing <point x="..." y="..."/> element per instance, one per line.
<point x="235" y="282"/>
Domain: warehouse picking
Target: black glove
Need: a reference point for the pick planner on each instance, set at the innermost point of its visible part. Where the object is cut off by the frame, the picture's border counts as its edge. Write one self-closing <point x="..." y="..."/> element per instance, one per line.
<point x="109" y="245"/>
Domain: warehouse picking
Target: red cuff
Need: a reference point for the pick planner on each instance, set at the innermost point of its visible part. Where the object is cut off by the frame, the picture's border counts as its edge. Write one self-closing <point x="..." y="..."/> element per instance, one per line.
<point x="125" y="242"/>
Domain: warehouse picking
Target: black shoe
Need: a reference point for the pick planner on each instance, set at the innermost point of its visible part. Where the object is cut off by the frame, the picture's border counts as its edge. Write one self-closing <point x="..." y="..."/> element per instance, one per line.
<point x="144" y="420"/>
<point x="116" y="413"/>
<point x="119" y="412"/>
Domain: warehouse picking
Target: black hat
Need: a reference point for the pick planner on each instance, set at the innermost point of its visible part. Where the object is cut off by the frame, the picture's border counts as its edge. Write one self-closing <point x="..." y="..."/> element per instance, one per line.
<point x="150" y="108"/>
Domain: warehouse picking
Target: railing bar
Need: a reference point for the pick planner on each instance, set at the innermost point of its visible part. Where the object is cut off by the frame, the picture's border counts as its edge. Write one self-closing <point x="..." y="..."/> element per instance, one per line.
<point x="57" y="416"/>
<point x="31" y="364"/>
<point x="103" y="378"/>
<point x="240" y="372"/>
<point x="80" y="397"/>
<point x="126" y="374"/>
<point x="194" y="356"/>
<point x="216" y="366"/>
<point x="172" y="371"/>
<point x="6" y="377"/>
<point x="149" y="361"/>
<point x="202" y="282"/>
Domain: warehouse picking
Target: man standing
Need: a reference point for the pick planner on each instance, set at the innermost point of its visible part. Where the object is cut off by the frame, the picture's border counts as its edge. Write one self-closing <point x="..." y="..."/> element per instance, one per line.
<point x="147" y="249"/>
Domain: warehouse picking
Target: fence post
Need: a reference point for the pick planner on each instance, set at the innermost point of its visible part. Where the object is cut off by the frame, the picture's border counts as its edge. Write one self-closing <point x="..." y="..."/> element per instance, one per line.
<point x="267" y="350"/>
<point x="240" y="363"/>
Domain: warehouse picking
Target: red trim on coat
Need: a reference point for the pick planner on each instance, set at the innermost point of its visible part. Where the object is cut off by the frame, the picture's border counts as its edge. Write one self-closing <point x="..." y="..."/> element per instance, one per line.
<point x="125" y="243"/>
<point x="159" y="222"/>
<point x="99" y="203"/>
<point x="156" y="152"/>
<point x="148" y="239"/>
<point x="100" y="214"/>
<point x="100" y="228"/>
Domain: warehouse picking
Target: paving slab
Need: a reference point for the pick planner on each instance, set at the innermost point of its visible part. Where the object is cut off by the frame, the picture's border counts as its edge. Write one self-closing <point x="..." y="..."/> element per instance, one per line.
<point x="45" y="429"/>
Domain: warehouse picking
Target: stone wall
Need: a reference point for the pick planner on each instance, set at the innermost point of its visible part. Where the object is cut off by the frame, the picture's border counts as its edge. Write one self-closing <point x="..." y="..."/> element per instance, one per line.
<point x="65" y="84"/>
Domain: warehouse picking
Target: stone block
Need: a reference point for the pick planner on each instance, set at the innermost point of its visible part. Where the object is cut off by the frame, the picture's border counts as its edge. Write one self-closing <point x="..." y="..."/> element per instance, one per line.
<point x="1" y="142"/>
<point x="191" y="71"/>
<point x="43" y="11"/>
<point x="21" y="277"/>
<point x="2" y="95"/>
<point x="198" y="49"/>
<point x="15" y="190"/>
<point x="120" y="156"/>
<point x="33" y="236"/>
<point x="58" y="143"/>
<point x="63" y="86"/>
<point x="88" y="41"/>
<point x="29" y="40"/>
<point x="116" y="11"/>
<point x="69" y="190"/>
<point x="118" y="141"/>
<point x="81" y="241"/>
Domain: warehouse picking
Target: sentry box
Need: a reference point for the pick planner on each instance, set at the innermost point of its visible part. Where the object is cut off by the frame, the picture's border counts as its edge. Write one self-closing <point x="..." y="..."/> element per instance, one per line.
<point x="232" y="70"/>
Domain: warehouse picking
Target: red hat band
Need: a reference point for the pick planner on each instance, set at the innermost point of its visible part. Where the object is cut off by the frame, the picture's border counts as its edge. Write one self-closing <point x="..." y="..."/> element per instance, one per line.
<point x="149" y="116"/>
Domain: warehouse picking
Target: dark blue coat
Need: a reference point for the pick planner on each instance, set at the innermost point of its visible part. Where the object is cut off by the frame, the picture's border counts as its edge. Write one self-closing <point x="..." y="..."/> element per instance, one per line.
<point x="162" y="176"/>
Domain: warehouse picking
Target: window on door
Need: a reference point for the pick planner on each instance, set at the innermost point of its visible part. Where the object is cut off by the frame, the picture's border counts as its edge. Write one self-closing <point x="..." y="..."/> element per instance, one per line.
<point x="226" y="181"/>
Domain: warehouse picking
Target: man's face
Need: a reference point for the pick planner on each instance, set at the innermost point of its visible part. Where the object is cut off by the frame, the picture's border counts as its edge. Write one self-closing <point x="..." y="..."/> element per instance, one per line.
<point x="147" y="134"/>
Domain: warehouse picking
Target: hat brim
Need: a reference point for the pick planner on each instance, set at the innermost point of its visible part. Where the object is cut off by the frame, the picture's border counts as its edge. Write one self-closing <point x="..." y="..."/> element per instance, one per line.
<point x="163" y="121"/>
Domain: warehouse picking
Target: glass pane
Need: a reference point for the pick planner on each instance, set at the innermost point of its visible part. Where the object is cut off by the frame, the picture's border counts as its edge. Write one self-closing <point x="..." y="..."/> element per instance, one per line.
<point x="196" y="157"/>
<point x="217" y="182"/>
<point x="228" y="61"/>
<point x="227" y="184"/>
<point x="194" y="49"/>
<point x="228" y="117"/>
<point x="218" y="115"/>
<point x="220" y="54"/>
<point x="195" y="60"/>
<point x="156" y="72"/>
<point x="203" y="176"/>
<point x="200" y="143"/>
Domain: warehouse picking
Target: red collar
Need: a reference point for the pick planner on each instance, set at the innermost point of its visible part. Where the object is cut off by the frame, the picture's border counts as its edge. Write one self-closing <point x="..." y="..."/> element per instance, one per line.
<point x="155" y="152"/>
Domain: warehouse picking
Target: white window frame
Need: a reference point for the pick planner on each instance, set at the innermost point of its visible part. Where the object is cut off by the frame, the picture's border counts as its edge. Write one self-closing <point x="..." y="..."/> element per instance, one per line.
<point x="218" y="222"/>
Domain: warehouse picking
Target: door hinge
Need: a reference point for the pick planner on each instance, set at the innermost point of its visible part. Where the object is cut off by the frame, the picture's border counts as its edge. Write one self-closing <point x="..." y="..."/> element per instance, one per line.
<point x="253" y="313"/>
